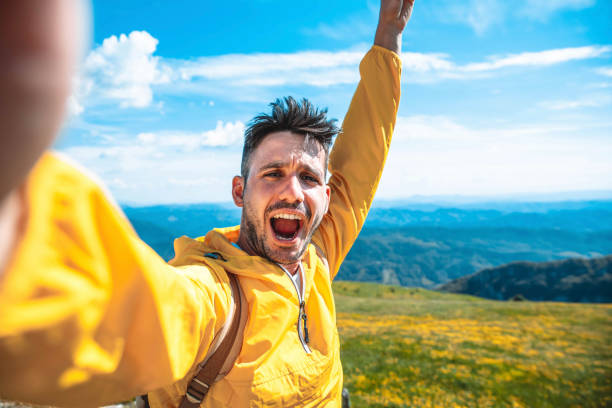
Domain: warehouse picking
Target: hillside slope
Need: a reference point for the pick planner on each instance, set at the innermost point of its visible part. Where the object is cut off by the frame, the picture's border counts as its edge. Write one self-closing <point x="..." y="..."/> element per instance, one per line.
<point x="571" y="280"/>
<point x="411" y="347"/>
<point x="428" y="256"/>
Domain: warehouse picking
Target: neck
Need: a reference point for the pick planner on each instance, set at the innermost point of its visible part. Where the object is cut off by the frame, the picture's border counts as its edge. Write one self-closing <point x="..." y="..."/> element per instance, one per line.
<point x="247" y="247"/>
<point x="292" y="268"/>
<point x="244" y="243"/>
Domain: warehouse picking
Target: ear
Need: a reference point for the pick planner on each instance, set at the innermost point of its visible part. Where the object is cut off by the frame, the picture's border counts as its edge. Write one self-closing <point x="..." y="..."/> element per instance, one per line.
<point x="238" y="190"/>
<point x="327" y="195"/>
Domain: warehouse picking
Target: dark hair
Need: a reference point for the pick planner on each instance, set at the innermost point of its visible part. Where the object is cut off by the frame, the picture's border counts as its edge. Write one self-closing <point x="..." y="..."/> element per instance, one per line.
<point x="300" y="117"/>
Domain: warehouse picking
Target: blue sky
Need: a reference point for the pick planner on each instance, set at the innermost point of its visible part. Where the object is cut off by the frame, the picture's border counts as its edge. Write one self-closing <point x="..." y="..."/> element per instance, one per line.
<point x="498" y="98"/>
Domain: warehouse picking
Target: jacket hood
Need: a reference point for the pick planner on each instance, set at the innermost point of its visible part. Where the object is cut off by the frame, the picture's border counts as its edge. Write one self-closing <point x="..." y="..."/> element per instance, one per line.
<point x="233" y="259"/>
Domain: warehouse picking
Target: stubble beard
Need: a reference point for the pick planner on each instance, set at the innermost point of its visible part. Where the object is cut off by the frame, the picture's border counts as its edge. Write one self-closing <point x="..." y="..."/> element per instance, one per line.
<point x="256" y="236"/>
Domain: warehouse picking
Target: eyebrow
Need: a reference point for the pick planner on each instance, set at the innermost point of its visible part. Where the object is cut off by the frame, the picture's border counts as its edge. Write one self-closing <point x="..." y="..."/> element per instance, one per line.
<point x="280" y="164"/>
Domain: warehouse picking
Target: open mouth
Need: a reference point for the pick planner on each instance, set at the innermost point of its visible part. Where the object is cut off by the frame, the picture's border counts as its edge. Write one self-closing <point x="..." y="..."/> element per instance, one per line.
<point x="286" y="226"/>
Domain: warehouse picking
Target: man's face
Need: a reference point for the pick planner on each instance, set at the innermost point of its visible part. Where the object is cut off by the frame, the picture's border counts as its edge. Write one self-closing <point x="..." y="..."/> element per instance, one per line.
<point x="285" y="197"/>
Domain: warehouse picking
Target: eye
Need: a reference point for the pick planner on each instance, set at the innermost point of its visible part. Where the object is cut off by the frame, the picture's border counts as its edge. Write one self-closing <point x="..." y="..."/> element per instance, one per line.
<point x="273" y="174"/>
<point x="310" y="178"/>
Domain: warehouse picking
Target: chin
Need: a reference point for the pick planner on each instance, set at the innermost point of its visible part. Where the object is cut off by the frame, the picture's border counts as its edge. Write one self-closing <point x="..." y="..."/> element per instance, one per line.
<point x="285" y="258"/>
<point x="285" y="255"/>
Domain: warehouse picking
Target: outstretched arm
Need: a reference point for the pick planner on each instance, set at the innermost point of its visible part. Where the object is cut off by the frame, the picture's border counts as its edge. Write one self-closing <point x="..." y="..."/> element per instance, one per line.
<point x="88" y="313"/>
<point x="359" y="153"/>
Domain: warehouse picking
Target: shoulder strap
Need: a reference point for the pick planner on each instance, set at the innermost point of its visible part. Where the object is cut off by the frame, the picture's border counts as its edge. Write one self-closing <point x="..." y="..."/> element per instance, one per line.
<point x="200" y="384"/>
<point x="321" y="255"/>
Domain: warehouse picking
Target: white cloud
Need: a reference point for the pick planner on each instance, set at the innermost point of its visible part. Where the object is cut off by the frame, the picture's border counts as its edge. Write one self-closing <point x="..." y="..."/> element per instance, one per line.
<point x="349" y="28"/>
<point x="157" y="174"/>
<point x="418" y="62"/>
<point x="324" y="68"/>
<point x="592" y="101"/>
<point x="122" y="69"/>
<point x="318" y="68"/>
<point x="81" y="88"/>
<point x="224" y="134"/>
<point x="482" y="15"/>
<point x="543" y="9"/>
<point x="606" y="71"/>
<point x="147" y="138"/>
<point x="432" y="155"/>
<point x="73" y="106"/>
<point x="478" y="14"/>
<point x="167" y="166"/>
<point x="435" y="67"/>
<point x="540" y="58"/>
<point x="600" y="85"/>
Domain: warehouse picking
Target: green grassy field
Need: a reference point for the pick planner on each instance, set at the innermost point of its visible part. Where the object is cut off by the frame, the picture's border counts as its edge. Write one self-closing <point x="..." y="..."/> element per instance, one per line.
<point x="404" y="347"/>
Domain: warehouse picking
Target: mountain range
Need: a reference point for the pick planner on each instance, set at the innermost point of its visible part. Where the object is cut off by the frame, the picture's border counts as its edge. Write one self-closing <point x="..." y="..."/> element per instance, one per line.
<point x="423" y="244"/>
<point x="570" y="280"/>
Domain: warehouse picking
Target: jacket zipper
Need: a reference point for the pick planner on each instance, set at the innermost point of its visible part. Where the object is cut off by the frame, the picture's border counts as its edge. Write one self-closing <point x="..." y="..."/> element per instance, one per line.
<point x="302" y="318"/>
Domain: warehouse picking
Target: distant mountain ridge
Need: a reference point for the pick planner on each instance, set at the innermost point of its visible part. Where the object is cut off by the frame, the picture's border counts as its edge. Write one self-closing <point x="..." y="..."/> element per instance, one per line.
<point x="570" y="280"/>
<point x="592" y="217"/>
<point x="427" y="256"/>
<point x="424" y="246"/>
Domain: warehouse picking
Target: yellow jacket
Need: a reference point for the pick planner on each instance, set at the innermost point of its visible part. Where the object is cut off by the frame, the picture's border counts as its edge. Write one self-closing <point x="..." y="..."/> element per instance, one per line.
<point x="90" y="315"/>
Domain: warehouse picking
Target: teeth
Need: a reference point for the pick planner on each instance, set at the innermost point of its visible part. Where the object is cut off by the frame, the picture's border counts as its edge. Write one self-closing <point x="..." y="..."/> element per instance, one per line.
<point x="287" y="216"/>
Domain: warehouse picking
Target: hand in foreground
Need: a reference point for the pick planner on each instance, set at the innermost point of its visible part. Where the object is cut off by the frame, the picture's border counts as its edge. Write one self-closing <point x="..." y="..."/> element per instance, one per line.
<point x="38" y="47"/>
<point x="393" y="17"/>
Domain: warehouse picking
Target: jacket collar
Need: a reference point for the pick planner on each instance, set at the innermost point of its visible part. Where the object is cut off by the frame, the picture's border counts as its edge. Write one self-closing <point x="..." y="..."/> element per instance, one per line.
<point x="251" y="266"/>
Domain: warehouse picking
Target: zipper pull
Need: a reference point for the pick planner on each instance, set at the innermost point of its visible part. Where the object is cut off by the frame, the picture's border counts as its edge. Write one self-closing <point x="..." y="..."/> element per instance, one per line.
<point x="304" y="320"/>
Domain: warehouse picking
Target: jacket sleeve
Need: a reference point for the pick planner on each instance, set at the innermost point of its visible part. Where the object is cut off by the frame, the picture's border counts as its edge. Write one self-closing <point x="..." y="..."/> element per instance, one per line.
<point x="358" y="156"/>
<point x="89" y="314"/>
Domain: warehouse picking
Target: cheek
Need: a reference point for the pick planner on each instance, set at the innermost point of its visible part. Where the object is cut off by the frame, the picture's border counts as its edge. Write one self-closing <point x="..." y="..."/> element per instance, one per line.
<point x="319" y="203"/>
<point x="255" y="200"/>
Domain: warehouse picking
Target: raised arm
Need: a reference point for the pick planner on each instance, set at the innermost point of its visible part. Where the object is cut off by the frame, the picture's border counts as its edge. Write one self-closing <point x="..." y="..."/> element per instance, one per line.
<point x="359" y="153"/>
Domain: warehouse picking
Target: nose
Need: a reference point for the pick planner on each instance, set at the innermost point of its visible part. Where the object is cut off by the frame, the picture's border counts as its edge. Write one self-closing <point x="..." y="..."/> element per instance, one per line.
<point x="291" y="191"/>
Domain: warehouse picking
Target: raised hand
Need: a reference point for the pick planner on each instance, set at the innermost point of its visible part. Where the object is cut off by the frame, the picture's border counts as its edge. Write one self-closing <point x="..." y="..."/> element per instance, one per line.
<point x="393" y="17"/>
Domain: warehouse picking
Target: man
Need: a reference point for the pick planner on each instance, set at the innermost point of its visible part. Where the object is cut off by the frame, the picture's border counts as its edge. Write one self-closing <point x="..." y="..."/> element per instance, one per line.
<point x="90" y="315"/>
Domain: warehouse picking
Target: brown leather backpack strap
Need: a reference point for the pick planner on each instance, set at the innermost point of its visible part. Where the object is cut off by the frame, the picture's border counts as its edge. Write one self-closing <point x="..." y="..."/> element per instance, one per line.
<point x="200" y="384"/>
